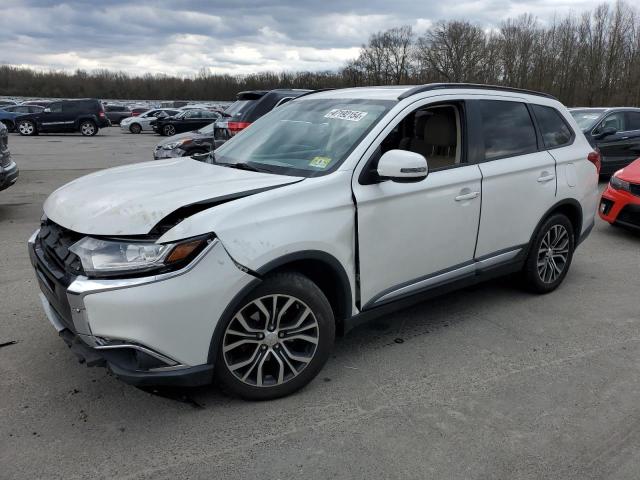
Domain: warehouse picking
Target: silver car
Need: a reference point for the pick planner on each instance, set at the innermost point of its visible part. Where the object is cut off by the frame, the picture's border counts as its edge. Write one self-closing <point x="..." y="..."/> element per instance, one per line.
<point x="142" y="122"/>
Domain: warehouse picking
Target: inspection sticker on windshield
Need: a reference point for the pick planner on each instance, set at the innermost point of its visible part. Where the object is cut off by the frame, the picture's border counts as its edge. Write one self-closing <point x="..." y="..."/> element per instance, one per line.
<point x="351" y="115"/>
<point x="320" y="162"/>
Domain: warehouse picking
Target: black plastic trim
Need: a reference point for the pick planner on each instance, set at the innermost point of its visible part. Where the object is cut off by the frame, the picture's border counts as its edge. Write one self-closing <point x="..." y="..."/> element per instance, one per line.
<point x="475" y="86"/>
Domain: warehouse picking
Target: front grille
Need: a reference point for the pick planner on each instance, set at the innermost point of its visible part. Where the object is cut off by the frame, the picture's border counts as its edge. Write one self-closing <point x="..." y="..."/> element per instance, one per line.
<point x="55" y="242"/>
<point x="630" y="215"/>
<point x="634" y="188"/>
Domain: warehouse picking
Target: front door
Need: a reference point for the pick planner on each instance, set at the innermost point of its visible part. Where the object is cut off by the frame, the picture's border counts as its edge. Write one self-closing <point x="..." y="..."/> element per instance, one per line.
<point x="413" y="236"/>
<point x="53" y="119"/>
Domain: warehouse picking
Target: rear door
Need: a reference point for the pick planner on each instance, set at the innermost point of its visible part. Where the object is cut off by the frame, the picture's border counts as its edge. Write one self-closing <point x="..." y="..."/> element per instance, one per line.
<point x="518" y="176"/>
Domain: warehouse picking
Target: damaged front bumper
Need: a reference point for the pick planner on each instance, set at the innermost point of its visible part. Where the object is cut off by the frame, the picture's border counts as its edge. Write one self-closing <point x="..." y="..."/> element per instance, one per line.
<point x="134" y="326"/>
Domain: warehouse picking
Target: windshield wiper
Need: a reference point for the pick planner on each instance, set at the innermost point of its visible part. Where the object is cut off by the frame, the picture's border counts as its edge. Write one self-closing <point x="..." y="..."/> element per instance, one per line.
<point x="241" y="166"/>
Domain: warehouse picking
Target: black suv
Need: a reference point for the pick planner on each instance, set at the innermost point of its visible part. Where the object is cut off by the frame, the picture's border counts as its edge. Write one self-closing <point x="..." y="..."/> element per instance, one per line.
<point x="115" y="113"/>
<point x="184" y="121"/>
<point x="86" y="116"/>
<point x="615" y="131"/>
<point x="250" y="106"/>
<point x="8" y="168"/>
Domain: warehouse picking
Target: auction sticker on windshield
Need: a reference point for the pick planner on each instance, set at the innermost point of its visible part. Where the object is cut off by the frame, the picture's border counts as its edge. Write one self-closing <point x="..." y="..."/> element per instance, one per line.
<point x="320" y="162"/>
<point x="343" y="114"/>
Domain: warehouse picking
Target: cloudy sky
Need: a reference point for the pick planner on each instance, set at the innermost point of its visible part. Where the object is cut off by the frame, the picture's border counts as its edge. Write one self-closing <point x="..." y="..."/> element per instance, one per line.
<point x="180" y="37"/>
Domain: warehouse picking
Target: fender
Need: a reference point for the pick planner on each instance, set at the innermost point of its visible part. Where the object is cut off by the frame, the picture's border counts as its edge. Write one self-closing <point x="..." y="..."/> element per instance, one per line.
<point x="567" y="201"/>
<point x="316" y="255"/>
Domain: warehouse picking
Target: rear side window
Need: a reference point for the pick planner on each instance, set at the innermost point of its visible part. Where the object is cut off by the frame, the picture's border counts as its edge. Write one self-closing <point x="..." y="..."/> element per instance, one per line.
<point x="56" y="107"/>
<point x="633" y="120"/>
<point x="508" y="129"/>
<point x="555" y="131"/>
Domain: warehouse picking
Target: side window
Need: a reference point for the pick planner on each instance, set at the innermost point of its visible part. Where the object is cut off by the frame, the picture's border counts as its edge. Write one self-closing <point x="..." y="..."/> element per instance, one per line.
<point x="56" y="107"/>
<point x="508" y="129"/>
<point x="553" y="128"/>
<point x="433" y="132"/>
<point x="633" y="120"/>
<point x="615" y="120"/>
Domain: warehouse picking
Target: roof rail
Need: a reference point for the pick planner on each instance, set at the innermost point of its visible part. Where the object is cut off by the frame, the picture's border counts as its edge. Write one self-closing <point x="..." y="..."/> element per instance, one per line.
<point x="442" y="86"/>
<point x="314" y="91"/>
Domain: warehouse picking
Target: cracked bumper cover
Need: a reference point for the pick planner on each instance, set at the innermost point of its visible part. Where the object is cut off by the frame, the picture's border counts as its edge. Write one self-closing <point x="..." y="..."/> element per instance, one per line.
<point x="149" y="330"/>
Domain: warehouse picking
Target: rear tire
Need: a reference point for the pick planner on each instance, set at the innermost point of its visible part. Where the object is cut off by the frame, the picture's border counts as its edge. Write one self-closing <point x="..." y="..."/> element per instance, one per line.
<point x="27" y="128"/>
<point x="135" y="128"/>
<point x="550" y="255"/>
<point x="168" y="130"/>
<point x="88" y="128"/>
<point x="261" y="360"/>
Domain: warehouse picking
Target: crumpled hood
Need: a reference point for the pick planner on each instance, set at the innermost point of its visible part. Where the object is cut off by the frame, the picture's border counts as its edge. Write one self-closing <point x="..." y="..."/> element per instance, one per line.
<point x="131" y="200"/>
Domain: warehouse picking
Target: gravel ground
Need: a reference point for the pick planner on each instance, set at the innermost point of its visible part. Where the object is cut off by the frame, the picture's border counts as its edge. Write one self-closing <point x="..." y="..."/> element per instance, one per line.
<point x="485" y="383"/>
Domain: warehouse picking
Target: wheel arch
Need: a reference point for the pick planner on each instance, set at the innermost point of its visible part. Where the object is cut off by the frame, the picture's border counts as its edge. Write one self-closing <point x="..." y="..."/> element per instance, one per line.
<point x="569" y="207"/>
<point x="325" y="271"/>
<point x="320" y="267"/>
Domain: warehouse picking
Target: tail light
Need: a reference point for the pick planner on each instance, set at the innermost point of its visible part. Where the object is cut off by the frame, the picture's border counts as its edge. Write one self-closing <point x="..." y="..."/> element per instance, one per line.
<point x="101" y="114"/>
<point x="594" y="157"/>
<point x="235" y="127"/>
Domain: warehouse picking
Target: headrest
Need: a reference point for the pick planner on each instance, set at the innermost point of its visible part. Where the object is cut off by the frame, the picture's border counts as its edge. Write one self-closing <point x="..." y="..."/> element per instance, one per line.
<point x="440" y="129"/>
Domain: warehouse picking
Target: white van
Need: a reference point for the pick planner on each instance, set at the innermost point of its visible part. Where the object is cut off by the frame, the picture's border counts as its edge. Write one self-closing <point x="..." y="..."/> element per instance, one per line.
<point x="337" y="206"/>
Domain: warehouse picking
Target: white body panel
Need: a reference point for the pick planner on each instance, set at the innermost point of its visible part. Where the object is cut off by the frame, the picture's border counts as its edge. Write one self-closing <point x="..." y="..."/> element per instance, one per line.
<point x="516" y="192"/>
<point x="411" y="230"/>
<point x="175" y="317"/>
<point x="131" y="200"/>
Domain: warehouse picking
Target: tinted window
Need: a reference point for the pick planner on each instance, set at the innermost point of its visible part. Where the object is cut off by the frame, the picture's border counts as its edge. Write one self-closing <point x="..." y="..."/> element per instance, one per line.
<point x="56" y="107"/>
<point x="614" y="120"/>
<point x="553" y="128"/>
<point x="633" y="120"/>
<point x="508" y="130"/>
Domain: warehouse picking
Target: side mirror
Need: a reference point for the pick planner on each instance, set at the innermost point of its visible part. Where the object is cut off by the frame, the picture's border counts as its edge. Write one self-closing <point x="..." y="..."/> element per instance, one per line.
<point x="47" y="110"/>
<point x="605" y="132"/>
<point x="402" y="166"/>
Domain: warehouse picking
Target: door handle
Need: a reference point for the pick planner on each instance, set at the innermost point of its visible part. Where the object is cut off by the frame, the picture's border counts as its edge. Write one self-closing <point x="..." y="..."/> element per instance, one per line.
<point x="467" y="196"/>
<point x="546" y="177"/>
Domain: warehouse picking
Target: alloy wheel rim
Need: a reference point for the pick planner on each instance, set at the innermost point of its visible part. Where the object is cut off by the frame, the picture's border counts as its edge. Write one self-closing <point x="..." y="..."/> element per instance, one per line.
<point x="553" y="253"/>
<point x="170" y="130"/>
<point x="87" y="129"/>
<point x="26" y="128"/>
<point x="270" y="341"/>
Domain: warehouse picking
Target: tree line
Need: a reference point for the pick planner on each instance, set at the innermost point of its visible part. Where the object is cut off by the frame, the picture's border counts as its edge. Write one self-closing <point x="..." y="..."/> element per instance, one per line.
<point x="588" y="59"/>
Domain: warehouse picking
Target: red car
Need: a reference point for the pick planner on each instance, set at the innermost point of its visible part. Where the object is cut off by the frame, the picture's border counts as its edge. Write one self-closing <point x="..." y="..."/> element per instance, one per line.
<point x="620" y="202"/>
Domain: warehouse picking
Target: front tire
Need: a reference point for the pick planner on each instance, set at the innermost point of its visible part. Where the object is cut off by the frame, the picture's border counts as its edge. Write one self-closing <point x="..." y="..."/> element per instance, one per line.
<point x="278" y="340"/>
<point x="27" y="128"/>
<point x="88" y="128"/>
<point x="135" y="128"/>
<point x="550" y="255"/>
<point x="169" y="130"/>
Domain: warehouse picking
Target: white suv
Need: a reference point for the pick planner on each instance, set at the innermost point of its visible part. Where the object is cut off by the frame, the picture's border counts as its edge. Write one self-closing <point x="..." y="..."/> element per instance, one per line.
<point x="326" y="211"/>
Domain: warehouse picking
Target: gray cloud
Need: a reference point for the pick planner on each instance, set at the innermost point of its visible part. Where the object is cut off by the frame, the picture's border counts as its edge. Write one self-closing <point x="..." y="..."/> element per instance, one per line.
<point x="183" y="36"/>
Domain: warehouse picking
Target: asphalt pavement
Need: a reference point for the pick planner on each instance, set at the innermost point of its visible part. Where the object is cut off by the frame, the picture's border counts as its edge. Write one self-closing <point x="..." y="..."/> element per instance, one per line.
<point x="485" y="383"/>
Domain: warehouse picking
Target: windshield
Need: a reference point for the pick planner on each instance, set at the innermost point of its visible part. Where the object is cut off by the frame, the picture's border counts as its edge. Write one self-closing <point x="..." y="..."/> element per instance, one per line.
<point x="304" y="138"/>
<point x="586" y="119"/>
